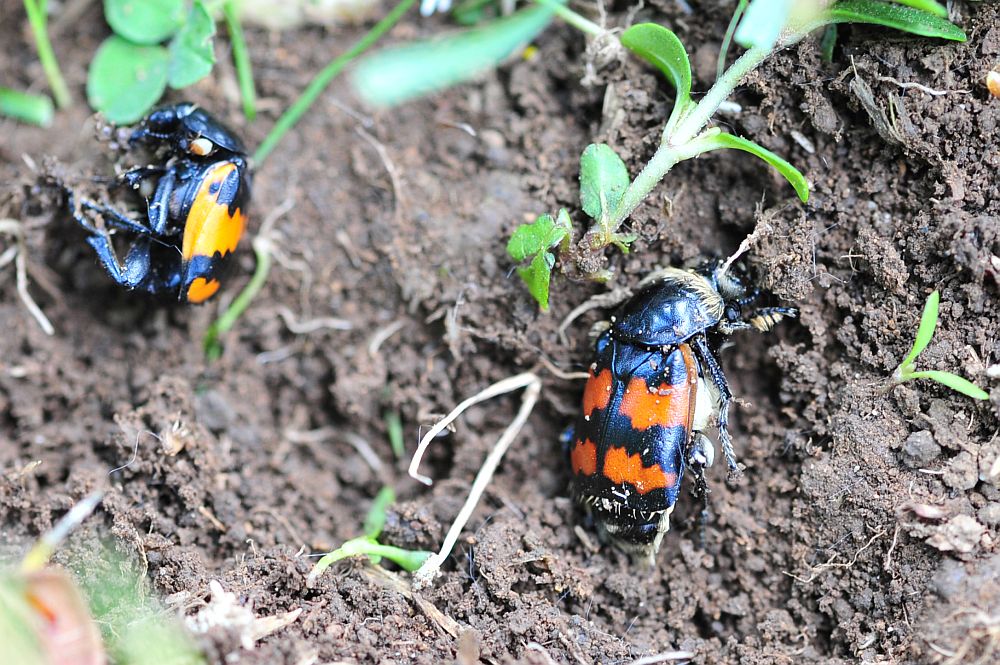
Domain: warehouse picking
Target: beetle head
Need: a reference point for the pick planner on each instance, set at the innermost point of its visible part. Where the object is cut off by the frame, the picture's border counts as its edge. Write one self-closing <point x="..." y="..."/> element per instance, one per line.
<point x="188" y="131"/>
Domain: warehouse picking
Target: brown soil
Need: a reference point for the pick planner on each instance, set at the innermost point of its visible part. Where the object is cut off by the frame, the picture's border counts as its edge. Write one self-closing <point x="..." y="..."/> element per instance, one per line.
<point x="865" y="526"/>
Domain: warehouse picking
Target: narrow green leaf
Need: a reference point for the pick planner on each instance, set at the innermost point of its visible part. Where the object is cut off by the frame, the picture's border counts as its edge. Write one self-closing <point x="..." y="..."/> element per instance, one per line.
<point x="125" y="80"/>
<point x="925" y="331"/>
<point x="396" y="75"/>
<point x="661" y="48"/>
<point x="953" y="381"/>
<point x="394" y="428"/>
<point x="537" y="276"/>
<point x="603" y="180"/>
<point x="828" y="42"/>
<point x="408" y="560"/>
<point x="762" y="23"/>
<point x="792" y="174"/>
<point x="375" y="521"/>
<point x="907" y="19"/>
<point x="144" y="21"/>
<point x="34" y="109"/>
<point x="727" y="39"/>
<point x="927" y="6"/>
<point x="192" y="50"/>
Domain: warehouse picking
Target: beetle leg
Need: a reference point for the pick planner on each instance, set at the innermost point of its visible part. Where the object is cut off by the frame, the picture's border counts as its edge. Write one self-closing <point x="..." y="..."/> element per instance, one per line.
<point x="137" y="264"/>
<point x="701" y="492"/>
<point x="114" y="218"/>
<point x="134" y="177"/>
<point x="714" y="370"/>
<point x="749" y="298"/>
<point x="702" y="452"/>
<point x="159" y="205"/>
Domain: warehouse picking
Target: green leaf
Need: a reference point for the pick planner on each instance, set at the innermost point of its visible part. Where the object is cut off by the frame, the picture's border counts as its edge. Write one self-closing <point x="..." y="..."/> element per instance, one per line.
<point x="661" y="48"/>
<point x="537" y="276"/>
<point x="953" y="381"/>
<point x="540" y="235"/>
<point x="603" y="180"/>
<point x="724" y="140"/>
<point x="927" y="6"/>
<point x="125" y="80"/>
<point x="928" y="322"/>
<point x="192" y="52"/>
<point x="762" y="23"/>
<point x="720" y="65"/>
<point x="906" y="19"/>
<point x="144" y="21"/>
<point x="34" y="109"/>
<point x="828" y="42"/>
<point x="396" y="75"/>
<point x="409" y="560"/>
<point x="375" y="520"/>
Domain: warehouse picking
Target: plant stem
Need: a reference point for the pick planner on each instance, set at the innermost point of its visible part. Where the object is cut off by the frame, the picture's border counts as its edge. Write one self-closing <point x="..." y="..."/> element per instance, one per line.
<point x="36" y="17"/>
<point x="695" y="121"/>
<point x="211" y="346"/>
<point x="571" y="17"/>
<point x="241" y="59"/>
<point x="651" y="174"/>
<point x="319" y="83"/>
<point x="675" y="147"/>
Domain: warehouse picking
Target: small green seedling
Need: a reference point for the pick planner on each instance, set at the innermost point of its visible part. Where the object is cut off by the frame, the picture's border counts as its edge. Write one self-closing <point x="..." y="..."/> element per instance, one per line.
<point x="368" y="545"/>
<point x="905" y="372"/>
<point x="609" y="196"/>
<point x="534" y="241"/>
<point x="132" y="68"/>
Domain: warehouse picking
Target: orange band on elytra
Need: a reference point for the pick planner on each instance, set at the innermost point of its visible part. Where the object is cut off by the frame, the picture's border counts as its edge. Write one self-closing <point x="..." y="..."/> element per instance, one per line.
<point x="620" y="467"/>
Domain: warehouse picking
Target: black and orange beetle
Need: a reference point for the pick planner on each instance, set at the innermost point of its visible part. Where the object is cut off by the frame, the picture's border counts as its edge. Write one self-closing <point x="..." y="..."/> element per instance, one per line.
<point x="655" y="385"/>
<point x="196" y="206"/>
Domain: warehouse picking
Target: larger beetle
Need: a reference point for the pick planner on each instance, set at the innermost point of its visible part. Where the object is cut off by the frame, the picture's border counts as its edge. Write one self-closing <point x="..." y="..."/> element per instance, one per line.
<point x="655" y="385"/>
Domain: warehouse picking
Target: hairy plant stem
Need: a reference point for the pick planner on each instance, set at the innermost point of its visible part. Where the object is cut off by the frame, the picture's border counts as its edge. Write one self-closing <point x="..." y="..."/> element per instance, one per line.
<point x="677" y="146"/>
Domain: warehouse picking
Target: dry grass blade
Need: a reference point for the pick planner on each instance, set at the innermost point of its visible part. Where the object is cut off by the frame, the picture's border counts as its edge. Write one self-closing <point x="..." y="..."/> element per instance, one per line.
<point x="532" y="388"/>
<point x="19" y="255"/>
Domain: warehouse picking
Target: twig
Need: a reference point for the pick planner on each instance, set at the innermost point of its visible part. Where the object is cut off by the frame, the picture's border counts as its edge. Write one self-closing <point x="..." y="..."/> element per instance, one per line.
<point x="397" y="185"/>
<point x="532" y="387"/>
<point x="382" y="334"/>
<point x="922" y="88"/>
<point x="823" y="567"/>
<point x="663" y="657"/>
<point x="312" y="325"/>
<point x="16" y="229"/>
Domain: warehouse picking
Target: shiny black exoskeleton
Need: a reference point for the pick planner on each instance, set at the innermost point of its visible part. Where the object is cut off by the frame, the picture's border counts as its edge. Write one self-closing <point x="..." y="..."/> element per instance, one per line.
<point x="196" y="198"/>
<point x="655" y="384"/>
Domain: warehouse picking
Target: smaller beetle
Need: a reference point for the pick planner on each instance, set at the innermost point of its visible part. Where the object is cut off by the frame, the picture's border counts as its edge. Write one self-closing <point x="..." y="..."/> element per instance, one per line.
<point x="655" y="385"/>
<point x="196" y="206"/>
